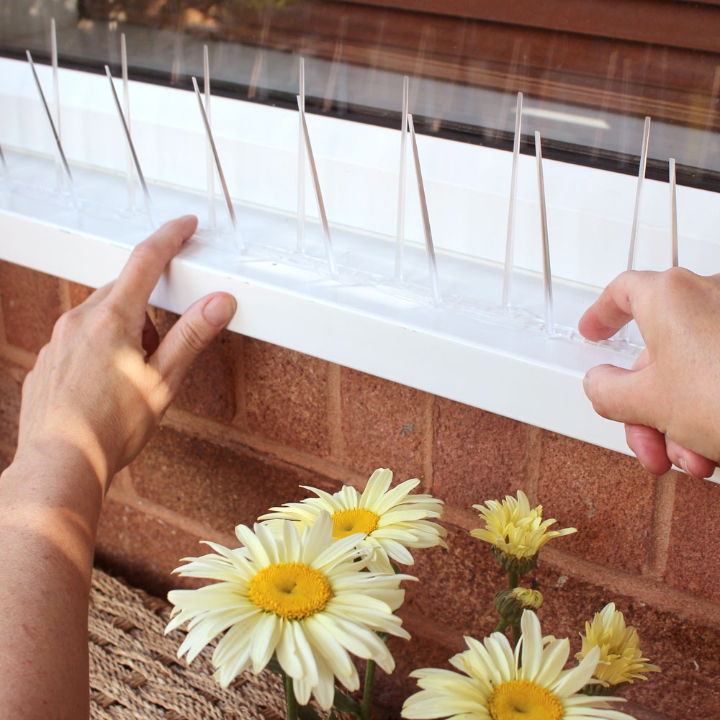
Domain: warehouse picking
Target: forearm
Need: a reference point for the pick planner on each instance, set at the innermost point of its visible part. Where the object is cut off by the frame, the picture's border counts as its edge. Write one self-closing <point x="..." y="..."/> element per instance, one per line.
<point x="50" y="501"/>
<point x="97" y="391"/>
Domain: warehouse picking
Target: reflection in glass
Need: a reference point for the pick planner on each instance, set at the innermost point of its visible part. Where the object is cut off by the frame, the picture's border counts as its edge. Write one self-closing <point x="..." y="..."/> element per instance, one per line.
<point x="590" y="70"/>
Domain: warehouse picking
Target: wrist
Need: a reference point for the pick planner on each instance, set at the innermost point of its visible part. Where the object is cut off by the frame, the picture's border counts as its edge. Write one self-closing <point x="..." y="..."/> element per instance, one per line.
<point x="65" y="445"/>
<point x="56" y="466"/>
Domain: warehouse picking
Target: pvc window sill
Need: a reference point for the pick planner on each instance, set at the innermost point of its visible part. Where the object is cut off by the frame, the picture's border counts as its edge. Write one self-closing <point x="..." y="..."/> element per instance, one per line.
<point x="466" y="348"/>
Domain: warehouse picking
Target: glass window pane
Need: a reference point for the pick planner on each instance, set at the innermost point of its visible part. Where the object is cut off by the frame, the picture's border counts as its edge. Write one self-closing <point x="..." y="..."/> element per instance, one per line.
<point x="590" y="69"/>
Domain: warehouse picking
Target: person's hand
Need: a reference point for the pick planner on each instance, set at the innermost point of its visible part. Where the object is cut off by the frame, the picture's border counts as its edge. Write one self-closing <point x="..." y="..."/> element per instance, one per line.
<point x="103" y="382"/>
<point x="670" y="400"/>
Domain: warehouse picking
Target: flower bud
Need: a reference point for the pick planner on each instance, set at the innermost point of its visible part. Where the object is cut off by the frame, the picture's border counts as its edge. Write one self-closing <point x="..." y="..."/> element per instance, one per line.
<point x="511" y="603"/>
<point x="598" y="689"/>
<point x="530" y="599"/>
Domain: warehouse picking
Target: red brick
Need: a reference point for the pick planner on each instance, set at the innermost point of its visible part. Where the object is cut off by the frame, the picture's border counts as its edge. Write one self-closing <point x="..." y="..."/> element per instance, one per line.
<point x="694" y="550"/>
<point x="10" y="393"/>
<point x="78" y="293"/>
<point x="383" y="425"/>
<point x="477" y="456"/>
<point x="456" y="586"/>
<point x="209" y="387"/>
<point x="212" y="484"/>
<point x="456" y="591"/>
<point x="607" y="496"/>
<point x="642" y="713"/>
<point x="31" y="303"/>
<point x="286" y="397"/>
<point x="687" y="652"/>
<point x="142" y="549"/>
<point x="689" y="685"/>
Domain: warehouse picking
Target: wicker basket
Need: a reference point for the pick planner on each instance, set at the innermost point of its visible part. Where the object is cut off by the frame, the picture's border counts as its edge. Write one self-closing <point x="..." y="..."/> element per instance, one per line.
<point x="135" y="673"/>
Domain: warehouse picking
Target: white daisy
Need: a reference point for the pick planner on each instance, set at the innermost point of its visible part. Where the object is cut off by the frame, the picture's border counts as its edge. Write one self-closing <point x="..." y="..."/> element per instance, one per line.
<point x="298" y="596"/>
<point x="391" y="520"/>
<point x="499" y="684"/>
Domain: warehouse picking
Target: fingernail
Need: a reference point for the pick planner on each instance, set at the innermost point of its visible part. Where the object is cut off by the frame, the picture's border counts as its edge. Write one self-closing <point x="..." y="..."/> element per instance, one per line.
<point x="637" y="457"/>
<point x="684" y="467"/>
<point x="219" y="310"/>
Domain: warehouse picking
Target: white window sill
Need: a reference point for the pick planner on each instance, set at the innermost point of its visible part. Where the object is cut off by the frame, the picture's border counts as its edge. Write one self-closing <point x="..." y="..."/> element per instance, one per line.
<point x="465" y="349"/>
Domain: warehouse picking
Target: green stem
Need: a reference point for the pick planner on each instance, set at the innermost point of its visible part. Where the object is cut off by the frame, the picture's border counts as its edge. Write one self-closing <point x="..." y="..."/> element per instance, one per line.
<point x="368" y="690"/>
<point x="516" y="633"/>
<point x="501" y="625"/>
<point x="512" y="579"/>
<point x="290" y="701"/>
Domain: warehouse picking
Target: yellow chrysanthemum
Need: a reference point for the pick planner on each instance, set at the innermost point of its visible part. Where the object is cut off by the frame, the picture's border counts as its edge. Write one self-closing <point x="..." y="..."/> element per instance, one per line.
<point x="499" y="684"/>
<point x="515" y="529"/>
<point x="298" y="596"/>
<point x="621" y="659"/>
<point x="391" y="520"/>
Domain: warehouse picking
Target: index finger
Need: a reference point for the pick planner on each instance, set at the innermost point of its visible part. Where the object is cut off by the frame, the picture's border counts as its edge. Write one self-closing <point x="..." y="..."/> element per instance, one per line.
<point x="148" y="261"/>
<point x="617" y="305"/>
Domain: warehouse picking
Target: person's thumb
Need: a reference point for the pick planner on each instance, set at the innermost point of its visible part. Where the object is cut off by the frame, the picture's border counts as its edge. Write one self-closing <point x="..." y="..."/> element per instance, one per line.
<point x="190" y="335"/>
<point x="619" y="394"/>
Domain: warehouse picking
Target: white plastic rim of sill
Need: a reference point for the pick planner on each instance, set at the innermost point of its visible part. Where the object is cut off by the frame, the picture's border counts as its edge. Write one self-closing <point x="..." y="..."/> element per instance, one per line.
<point x="457" y="350"/>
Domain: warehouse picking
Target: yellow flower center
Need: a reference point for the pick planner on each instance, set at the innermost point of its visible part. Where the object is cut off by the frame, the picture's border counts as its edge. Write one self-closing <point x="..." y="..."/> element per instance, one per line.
<point x="524" y="700"/>
<point x="357" y="520"/>
<point x="291" y="590"/>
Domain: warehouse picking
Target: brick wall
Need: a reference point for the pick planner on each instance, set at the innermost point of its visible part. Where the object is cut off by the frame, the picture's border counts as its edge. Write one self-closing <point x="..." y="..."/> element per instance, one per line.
<point x="254" y="421"/>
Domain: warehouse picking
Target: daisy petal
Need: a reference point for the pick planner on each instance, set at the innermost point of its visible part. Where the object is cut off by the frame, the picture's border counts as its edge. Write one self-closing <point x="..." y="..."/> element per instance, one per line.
<point x="572" y="681"/>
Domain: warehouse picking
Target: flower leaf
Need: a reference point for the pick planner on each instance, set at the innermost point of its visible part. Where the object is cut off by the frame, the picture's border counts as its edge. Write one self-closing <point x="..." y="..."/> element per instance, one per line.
<point x="305" y="712"/>
<point x="344" y="703"/>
